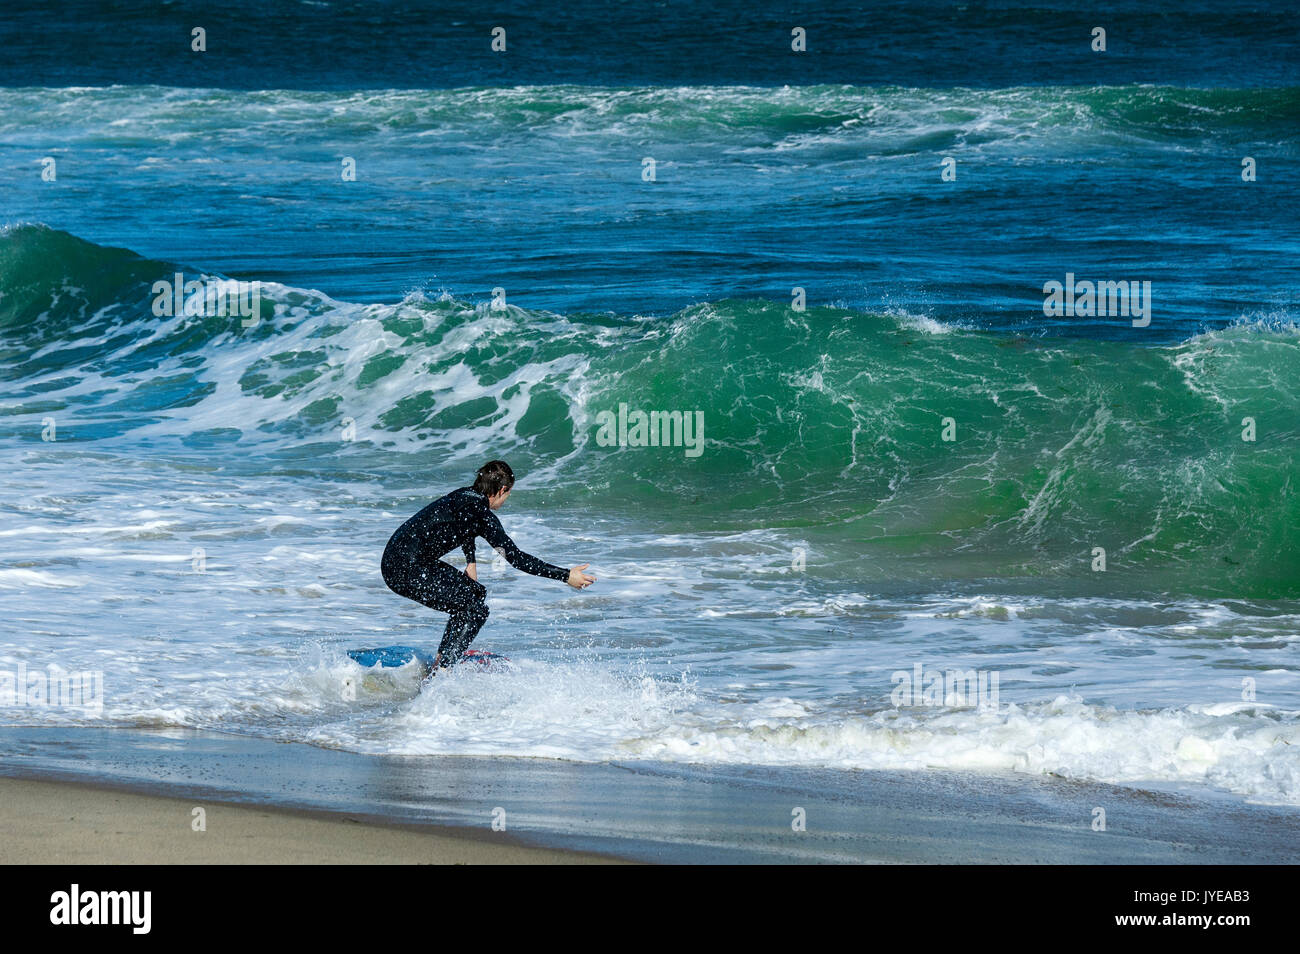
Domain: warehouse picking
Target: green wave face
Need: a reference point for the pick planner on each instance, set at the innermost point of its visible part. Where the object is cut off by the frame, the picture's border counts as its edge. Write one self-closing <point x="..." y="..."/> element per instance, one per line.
<point x="960" y="447"/>
<point x="898" y="448"/>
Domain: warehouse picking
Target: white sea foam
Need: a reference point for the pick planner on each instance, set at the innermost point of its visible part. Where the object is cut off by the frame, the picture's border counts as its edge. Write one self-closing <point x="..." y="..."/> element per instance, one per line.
<point x="589" y="713"/>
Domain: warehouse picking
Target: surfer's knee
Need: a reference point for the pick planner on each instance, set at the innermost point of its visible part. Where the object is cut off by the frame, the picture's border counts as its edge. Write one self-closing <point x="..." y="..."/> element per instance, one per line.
<point x="476" y="615"/>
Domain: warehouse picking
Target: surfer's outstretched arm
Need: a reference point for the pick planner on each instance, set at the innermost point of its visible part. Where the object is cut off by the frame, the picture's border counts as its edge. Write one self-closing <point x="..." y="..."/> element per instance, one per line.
<point x="496" y="535"/>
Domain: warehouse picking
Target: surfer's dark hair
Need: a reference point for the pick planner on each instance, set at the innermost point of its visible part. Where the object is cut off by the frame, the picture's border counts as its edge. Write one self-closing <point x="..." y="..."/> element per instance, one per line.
<point x="494" y="477"/>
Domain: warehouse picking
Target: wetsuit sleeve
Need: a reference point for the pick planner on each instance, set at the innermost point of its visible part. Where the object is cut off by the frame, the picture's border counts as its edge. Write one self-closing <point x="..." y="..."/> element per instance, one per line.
<point x="468" y="549"/>
<point x="495" y="534"/>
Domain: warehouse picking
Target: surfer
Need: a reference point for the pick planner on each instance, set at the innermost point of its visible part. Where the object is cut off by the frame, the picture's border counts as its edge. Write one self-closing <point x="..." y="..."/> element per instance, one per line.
<point x="412" y="564"/>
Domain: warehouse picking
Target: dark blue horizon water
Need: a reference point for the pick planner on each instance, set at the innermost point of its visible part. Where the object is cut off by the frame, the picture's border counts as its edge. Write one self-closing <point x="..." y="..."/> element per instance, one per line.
<point x="383" y="44"/>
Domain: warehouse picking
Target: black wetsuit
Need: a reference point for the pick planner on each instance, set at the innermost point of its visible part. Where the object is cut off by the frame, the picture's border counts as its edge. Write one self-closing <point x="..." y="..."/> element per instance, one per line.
<point x="412" y="565"/>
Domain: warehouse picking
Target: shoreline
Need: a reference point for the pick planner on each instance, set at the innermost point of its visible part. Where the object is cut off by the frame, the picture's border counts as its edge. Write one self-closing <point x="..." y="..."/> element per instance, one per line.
<point x="295" y="803"/>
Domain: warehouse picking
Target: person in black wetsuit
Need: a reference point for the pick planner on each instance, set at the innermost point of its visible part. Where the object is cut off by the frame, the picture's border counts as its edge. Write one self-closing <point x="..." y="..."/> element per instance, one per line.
<point x="412" y="565"/>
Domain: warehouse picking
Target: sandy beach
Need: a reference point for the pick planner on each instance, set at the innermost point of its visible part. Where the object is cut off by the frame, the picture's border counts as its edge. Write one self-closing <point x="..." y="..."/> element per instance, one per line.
<point x="44" y="822"/>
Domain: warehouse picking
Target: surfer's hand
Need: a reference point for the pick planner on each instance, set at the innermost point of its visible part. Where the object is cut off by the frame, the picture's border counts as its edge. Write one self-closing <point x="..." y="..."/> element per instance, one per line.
<point x="577" y="579"/>
<point x="471" y="570"/>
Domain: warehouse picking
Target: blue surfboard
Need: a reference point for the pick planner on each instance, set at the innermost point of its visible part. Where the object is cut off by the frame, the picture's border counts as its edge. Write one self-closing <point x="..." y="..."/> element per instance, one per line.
<point x="391" y="657"/>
